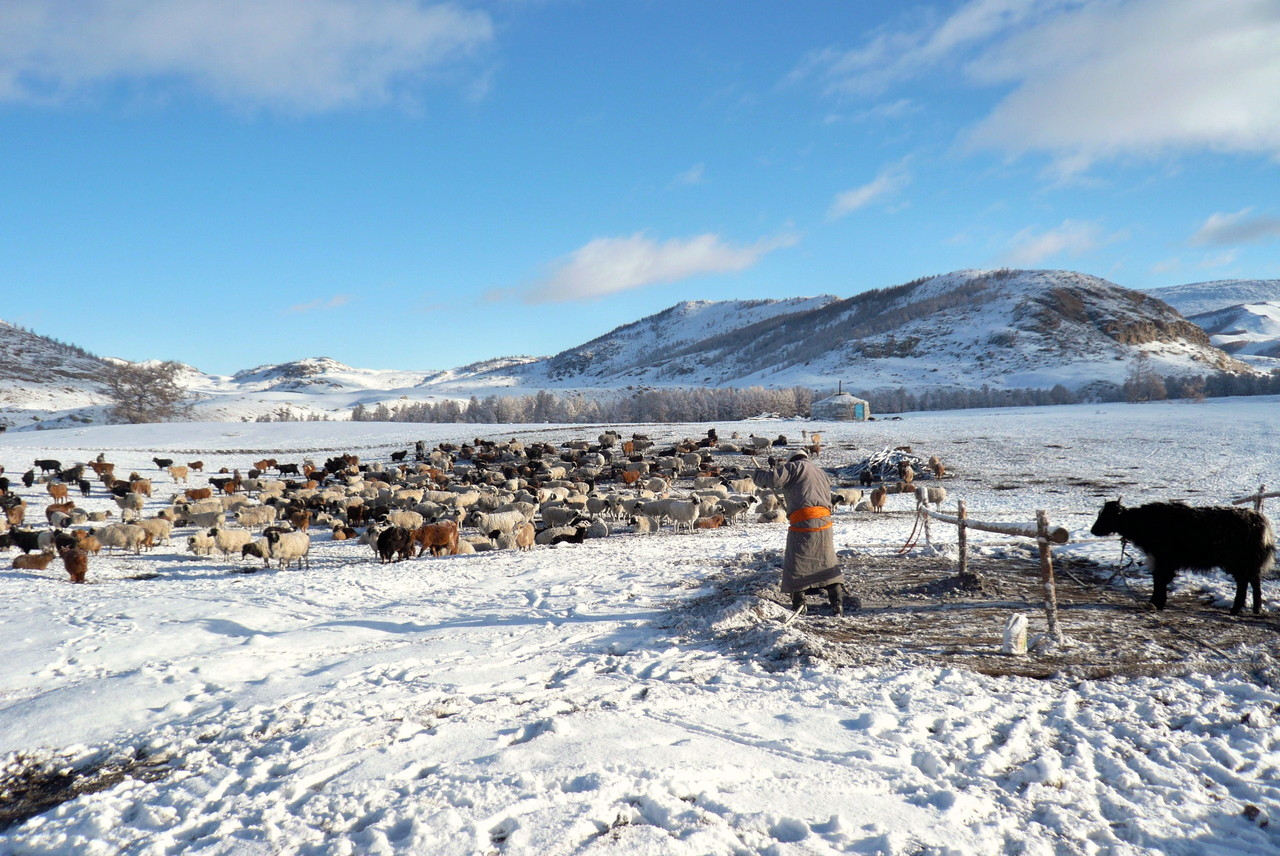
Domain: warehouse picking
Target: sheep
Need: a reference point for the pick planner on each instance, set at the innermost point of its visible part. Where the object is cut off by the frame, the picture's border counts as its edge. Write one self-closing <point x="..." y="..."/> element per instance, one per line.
<point x="158" y="527"/>
<point x="256" y="516"/>
<point x="934" y="496"/>
<point x="440" y="538"/>
<point x="289" y="547"/>
<point x="228" y="541"/>
<point x="201" y="544"/>
<point x="33" y="562"/>
<point x="258" y="549"/>
<point x="489" y="524"/>
<point x="123" y="536"/>
<point x="773" y="515"/>
<point x="850" y="496"/>
<point x="201" y="519"/>
<point x="645" y="525"/>
<point x="558" y="515"/>
<point x="131" y="504"/>
<point x="682" y="512"/>
<point x="406" y="519"/>
<point x="1174" y="536"/>
<point x="733" y="508"/>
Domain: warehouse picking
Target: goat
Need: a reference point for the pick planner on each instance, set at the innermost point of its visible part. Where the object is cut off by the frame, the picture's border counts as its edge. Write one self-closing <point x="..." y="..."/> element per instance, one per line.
<point x="48" y="465"/>
<point x="878" y="498"/>
<point x="713" y="522"/>
<point x="33" y="561"/>
<point x="76" y="562"/>
<point x="196" y="466"/>
<point x="57" y="491"/>
<point x="179" y="474"/>
<point x="162" y="463"/>
<point x="395" y="541"/>
<point x="440" y="538"/>
<point x="1174" y="536"/>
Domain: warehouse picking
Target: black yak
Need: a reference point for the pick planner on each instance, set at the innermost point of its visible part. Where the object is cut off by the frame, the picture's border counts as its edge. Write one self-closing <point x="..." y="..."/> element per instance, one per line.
<point x="1173" y="536"/>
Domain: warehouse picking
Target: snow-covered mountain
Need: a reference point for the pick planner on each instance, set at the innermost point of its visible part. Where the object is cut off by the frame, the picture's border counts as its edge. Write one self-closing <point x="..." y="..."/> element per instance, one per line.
<point x="963" y="329"/>
<point x="967" y="328"/>
<point x="1241" y="316"/>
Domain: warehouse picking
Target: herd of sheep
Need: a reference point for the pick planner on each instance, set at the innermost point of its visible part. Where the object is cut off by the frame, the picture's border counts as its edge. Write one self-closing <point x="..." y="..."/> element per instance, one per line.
<point x="448" y="500"/>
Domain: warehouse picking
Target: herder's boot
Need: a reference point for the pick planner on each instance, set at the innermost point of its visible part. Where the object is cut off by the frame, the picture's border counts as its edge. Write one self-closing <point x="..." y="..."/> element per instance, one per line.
<point x="797" y="600"/>
<point x="835" y="594"/>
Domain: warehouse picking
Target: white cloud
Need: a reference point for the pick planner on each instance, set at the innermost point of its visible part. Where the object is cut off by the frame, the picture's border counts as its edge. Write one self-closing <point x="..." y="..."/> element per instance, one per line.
<point x="321" y="303"/>
<point x="1091" y="79"/>
<point x="297" y="55"/>
<point x="608" y="265"/>
<point x="890" y="180"/>
<point x="695" y="174"/>
<point x="1238" y="228"/>
<point x="1073" y="237"/>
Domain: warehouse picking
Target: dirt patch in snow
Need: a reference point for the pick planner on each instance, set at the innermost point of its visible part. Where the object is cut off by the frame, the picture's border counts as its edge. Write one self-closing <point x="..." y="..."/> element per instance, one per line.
<point x="916" y="610"/>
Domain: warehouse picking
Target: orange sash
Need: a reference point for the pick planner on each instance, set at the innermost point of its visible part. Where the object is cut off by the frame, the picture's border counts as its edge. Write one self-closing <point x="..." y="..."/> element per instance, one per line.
<point x="811" y="512"/>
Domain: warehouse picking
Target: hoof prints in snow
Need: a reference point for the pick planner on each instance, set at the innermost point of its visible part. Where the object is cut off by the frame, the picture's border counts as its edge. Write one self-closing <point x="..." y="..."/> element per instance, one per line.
<point x="31" y="786"/>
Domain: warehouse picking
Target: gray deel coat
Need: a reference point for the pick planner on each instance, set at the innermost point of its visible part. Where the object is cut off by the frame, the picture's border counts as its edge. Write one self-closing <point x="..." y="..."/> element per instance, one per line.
<point x="810" y="559"/>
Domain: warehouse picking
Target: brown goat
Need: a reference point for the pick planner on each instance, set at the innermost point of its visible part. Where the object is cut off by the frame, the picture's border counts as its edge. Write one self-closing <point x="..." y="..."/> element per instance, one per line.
<point x="57" y="490"/>
<point x="713" y="522"/>
<point x="437" y="537"/>
<point x="878" y="497"/>
<point x="33" y="561"/>
<point x="196" y="466"/>
<point x="76" y="562"/>
<point x="198" y="493"/>
<point x="16" y="514"/>
<point x="87" y="541"/>
<point x="56" y="507"/>
<point x="142" y="486"/>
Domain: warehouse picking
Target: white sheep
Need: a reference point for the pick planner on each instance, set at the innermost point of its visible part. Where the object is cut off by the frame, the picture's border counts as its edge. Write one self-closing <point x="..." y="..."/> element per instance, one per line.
<point x="683" y="512"/>
<point x="228" y="541"/>
<point x="934" y="496"/>
<point x="505" y="521"/>
<point x="124" y="536"/>
<point x="256" y="517"/>
<point x="131" y="504"/>
<point x="201" y="543"/>
<point x="736" y="507"/>
<point x="289" y="547"/>
<point x="159" y="528"/>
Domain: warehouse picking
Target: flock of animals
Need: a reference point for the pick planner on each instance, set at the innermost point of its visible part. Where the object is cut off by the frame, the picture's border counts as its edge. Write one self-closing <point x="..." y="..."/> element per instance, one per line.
<point x="486" y="495"/>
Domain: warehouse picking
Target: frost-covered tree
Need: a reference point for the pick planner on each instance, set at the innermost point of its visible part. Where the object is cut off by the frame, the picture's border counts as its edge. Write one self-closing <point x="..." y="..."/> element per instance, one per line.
<point x="146" y="392"/>
<point x="1143" y="383"/>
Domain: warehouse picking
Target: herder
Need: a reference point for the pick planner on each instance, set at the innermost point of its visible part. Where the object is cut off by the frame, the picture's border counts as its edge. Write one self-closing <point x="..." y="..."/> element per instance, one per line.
<point x="810" y="560"/>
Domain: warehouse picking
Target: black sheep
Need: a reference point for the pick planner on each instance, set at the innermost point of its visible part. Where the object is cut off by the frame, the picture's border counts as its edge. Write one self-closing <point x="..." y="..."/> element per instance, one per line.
<point x="1176" y="536"/>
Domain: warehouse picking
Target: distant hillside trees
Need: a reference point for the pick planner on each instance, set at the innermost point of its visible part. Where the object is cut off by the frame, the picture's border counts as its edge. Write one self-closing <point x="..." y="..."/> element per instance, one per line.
<point x="146" y="392"/>
<point x="700" y="404"/>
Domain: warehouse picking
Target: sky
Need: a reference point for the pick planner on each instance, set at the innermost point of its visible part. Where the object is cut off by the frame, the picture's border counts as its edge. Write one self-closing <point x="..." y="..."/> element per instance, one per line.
<point x="406" y="184"/>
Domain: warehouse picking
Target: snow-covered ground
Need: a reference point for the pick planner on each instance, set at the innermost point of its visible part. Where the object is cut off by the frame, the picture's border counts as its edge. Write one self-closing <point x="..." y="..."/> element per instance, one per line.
<point x="567" y="700"/>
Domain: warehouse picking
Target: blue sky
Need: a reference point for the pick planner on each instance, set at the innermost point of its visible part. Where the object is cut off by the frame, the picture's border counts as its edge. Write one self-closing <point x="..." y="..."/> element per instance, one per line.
<point x="409" y="184"/>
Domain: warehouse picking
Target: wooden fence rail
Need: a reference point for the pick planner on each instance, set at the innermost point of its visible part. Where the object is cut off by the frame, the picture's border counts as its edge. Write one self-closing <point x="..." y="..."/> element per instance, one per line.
<point x="1044" y="534"/>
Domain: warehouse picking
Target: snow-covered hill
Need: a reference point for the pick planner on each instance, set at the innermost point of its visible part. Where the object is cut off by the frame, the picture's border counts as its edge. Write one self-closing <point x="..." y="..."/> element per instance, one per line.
<point x="1241" y="316"/>
<point x="965" y="329"/>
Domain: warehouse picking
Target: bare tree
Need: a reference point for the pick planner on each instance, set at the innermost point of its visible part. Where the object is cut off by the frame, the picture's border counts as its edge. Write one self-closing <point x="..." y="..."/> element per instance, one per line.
<point x="1143" y="383"/>
<point x="146" y="392"/>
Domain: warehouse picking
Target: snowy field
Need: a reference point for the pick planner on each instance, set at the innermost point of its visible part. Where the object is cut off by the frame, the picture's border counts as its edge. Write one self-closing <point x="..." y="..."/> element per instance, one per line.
<point x="567" y="700"/>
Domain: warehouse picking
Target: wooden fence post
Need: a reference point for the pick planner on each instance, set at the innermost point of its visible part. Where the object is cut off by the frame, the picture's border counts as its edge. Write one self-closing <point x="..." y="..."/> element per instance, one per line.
<point x="1257" y="502"/>
<point x="964" y="540"/>
<point x="1046" y="574"/>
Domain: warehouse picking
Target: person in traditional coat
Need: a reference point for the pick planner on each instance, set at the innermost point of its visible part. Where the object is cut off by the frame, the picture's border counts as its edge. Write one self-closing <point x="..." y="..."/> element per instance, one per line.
<point x="810" y="559"/>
